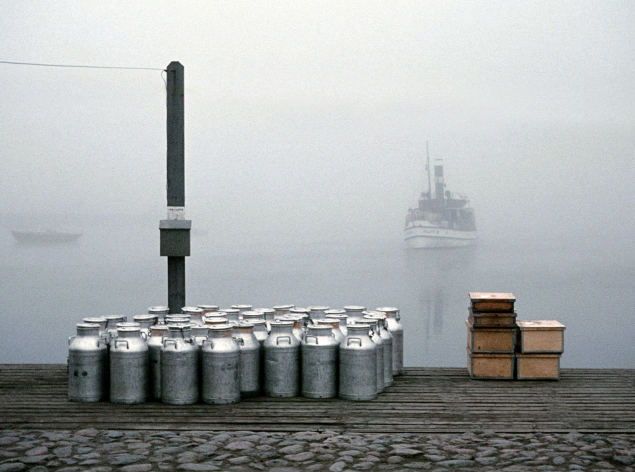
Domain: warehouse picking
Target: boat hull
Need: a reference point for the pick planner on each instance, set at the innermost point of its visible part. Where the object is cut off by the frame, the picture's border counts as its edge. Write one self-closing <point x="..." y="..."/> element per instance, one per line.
<point x="420" y="237"/>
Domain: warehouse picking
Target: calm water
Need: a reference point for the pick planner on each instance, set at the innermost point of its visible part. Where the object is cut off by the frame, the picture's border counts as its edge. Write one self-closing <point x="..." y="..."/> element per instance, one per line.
<point x="44" y="291"/>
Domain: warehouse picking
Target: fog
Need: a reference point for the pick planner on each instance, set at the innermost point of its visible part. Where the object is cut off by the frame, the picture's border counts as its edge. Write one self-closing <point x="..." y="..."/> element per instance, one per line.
<point x="306" y="122"/>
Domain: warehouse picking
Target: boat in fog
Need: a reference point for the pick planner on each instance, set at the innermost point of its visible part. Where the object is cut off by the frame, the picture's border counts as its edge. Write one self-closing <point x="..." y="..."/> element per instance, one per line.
<point x="441" y="220"/>
<point x="45" y="237"/>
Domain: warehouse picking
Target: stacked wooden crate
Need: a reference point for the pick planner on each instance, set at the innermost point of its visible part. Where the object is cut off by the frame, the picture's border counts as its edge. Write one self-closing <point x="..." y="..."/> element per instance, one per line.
<point x="491" y="336"/>
<point x="539" y="346"/>
<point x="499" y="347"/>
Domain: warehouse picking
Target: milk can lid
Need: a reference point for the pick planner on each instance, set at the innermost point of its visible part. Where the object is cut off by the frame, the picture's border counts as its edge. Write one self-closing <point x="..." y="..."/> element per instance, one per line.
<point x="354" y="308"/>
<point x="159" y="310"/>
<point x="283" y="307"/>
<point x="87" y="325"/>
<point x="208" y="307"/>
<point x="147" y="317"/>
<point x="191" y="310"/>
<point x="388" y="309"/>
<point x="128" y="324"/>
<point x="319" y="308"/>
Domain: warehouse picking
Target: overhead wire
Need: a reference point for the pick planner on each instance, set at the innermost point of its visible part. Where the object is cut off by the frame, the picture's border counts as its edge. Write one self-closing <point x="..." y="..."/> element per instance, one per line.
<point x="78" y="66"/>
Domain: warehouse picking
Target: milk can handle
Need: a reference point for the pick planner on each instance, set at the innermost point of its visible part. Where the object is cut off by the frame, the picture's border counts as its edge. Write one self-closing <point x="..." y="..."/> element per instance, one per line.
<point x="144" y="335"/>
<point x="102" y="341"/>
<point x="122" y="341"/>
<point x="167" y="340"/>
<point x="288" y="338"/>
<point x="240" y="341"/>
<point x="206" y="341"/>
<point x="359" y="340"/>
<point x="306" y="338"/>
<point x="398" y="315"/>
<point x="70" y="338"/>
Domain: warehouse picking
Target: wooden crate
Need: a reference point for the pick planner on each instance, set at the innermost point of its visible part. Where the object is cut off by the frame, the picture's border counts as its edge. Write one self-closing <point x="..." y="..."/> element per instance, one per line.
<point x="492" y="320"/>
<point x="540" y="336"/>
<point x="490" y="366"/>
<point x="538" y="366"/>
<point x="492" y="340"/>
<point x="492" y="302"/>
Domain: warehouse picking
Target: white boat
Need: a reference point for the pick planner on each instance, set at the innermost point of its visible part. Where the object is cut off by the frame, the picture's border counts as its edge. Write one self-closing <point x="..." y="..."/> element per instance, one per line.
<point x="442" y="220"/>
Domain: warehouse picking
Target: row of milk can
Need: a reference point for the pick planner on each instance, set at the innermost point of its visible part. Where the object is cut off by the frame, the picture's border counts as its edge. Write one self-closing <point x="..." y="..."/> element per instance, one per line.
<point x="221" y="356"/>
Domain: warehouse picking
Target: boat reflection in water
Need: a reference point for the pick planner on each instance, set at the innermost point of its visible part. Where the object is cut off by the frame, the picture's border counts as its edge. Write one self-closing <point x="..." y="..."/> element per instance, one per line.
<point x="438" y="282"/>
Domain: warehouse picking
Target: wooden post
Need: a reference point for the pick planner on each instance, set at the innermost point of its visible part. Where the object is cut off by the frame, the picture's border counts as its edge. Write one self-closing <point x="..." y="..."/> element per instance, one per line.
<point x="175" y="231"/>
<point x="176" y="135"/>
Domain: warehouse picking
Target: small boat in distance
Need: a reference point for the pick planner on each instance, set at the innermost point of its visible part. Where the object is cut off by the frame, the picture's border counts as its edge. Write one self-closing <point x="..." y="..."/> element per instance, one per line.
<point x="442" y="220"/>
<point x="47" y="237"/>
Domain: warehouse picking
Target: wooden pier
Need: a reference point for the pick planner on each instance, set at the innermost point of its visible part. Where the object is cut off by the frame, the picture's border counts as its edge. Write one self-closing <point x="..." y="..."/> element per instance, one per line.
<point x="424" y="400"/>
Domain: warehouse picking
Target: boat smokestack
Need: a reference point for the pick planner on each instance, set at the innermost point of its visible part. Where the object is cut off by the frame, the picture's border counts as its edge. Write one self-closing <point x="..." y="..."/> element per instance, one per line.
<point x="439" y="183"/>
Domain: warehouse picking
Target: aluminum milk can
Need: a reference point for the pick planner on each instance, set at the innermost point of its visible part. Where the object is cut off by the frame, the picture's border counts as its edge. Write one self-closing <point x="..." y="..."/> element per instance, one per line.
<point x="220" y="357"/>
<point x="334" y="323"/>
<point x="196" y="314"/>
<point x="260" y="330"/>
<point x="320" y="357"/>
<point x="386" y="337"/>
<point x="241" y="308"/>
<point x="215" y="319"/>
<point x="298" y="324"/>
<point x="354" y="313"/>
<point x="281" y="310"/>
<point x="270" y="315"/>
<point x="232" y="314"/>
<point x="208" y="309"/>
<point x="199" y="334"/>
<point x="87" y="365"/>
<point x="132" y="324"/>
<point x="155" y="342"/>
<point x="396" y="330"/>
<point x="303" y="313"/>
<point x="252" y="315"/>
<point x="160" y="311"/>
<point x="282" y="361"/>
<point x="111" y="325"/>
<point x="267" y="312"/>
<point x="145" y="322"/>
<point x="181" y="318"/>
<point x="358" y="365"/>
<point x="129" y="367"/>
<point x="340" y="315"/>
<point x="179" y="367"/>
<point x="250" y="352"/>
<point x="317" y="313"/>
<point x="374" y="335"/>
<point x="101" y="321"/>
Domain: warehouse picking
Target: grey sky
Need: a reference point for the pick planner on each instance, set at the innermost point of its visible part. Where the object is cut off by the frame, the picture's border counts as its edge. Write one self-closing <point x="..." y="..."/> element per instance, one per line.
<point x="303" y="117"/>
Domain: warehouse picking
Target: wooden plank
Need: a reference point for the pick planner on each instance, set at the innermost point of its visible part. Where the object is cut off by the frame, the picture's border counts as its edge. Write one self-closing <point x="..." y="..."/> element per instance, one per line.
<point x="433" y="400"/>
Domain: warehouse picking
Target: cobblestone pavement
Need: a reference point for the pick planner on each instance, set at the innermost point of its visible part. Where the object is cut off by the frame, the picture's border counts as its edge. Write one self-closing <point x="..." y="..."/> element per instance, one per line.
<point x="140" y="451"/>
